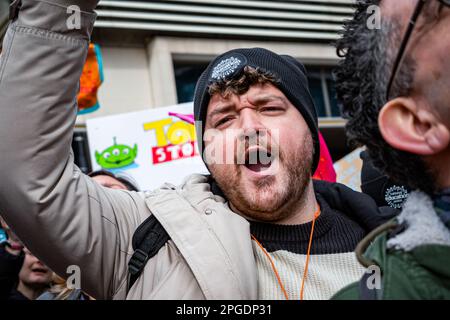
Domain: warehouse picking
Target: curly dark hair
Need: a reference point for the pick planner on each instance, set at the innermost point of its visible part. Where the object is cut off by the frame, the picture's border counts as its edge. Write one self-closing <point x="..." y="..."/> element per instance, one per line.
<point x="240" y="85"/>
<point x="361" y="80"/>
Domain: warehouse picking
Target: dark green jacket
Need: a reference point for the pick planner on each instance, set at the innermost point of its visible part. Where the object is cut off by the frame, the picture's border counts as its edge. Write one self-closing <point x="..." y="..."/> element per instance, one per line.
<point x="421" y="272"/>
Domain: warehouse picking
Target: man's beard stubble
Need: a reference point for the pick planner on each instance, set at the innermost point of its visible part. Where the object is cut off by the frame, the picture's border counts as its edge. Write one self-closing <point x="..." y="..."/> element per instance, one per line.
<point x="268" y="202"/>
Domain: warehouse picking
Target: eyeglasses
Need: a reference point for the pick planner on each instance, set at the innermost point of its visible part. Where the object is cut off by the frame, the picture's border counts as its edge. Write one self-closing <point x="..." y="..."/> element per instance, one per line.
<point x="405" y="41"/>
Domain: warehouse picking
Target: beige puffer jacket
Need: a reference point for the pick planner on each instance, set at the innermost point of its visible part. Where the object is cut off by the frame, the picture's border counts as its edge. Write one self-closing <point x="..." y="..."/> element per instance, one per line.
<point x="67" y="219"/>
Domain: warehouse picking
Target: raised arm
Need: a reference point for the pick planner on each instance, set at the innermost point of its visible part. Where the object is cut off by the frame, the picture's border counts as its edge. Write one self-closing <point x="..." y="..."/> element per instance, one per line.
<point x="61" y="215"/>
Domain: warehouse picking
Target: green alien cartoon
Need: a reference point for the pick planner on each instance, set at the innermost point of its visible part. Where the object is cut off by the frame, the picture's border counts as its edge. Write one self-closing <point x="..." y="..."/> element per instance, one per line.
<point x="116" y="156"/>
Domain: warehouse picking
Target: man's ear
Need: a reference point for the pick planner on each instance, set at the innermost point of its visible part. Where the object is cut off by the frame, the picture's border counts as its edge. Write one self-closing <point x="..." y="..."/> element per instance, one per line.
<point x="409" y="128"/>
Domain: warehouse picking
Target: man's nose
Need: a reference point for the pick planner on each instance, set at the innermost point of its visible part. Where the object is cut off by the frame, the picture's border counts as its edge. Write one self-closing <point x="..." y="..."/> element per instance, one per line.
<point x="250" y="121"/>
<point x="251" y="126"/>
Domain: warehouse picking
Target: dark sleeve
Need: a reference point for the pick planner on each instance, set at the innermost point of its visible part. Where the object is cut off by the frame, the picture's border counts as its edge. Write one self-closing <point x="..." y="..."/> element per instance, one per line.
<point x="10" y="266"/>
<point x="358" y="206"/>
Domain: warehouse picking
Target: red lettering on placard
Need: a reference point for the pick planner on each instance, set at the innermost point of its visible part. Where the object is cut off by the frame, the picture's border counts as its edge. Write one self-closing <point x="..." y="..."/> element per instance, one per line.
<point x="174" y="152"/>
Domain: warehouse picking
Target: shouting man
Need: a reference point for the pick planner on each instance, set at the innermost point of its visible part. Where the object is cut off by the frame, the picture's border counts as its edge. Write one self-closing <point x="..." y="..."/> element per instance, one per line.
<point x="258" y="227"/>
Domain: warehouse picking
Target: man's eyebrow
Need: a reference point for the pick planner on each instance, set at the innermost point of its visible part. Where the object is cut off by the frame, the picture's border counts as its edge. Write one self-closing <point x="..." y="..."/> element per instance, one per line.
<point x="219" y="110"/>
<point x="269" y="97"/>
<point x="258" y="100"/>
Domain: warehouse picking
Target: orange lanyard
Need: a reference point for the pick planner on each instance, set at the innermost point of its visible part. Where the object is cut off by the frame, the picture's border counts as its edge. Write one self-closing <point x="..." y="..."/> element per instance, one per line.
<point x="305" y="273"/>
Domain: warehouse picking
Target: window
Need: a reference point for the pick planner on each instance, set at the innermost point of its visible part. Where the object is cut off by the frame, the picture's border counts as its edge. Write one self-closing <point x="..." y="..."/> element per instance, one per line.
<point x="80" y="149"/>
<point x="321" y="86"/>
<point x="186" y="75"/>
<point x="4" y="16"/>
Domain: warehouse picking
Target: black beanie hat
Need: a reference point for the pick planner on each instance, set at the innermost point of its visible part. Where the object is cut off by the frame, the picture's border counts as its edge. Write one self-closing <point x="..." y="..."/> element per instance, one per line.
<point x="292" y="82"/>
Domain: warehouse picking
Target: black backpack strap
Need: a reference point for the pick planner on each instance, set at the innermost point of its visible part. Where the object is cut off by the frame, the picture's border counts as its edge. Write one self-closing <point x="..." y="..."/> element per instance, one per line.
<point x="148" y="239"/>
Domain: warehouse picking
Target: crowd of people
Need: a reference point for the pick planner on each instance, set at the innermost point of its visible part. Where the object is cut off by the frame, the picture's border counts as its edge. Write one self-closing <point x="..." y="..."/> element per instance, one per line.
<point x="259" y="226"/>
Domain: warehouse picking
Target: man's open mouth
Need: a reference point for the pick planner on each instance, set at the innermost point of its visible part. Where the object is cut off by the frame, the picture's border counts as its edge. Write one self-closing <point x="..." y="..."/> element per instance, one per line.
<point x="258" y="159"/>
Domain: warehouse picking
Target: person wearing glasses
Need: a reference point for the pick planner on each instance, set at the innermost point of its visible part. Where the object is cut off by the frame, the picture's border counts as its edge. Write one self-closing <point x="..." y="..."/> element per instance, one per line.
<point x="394" y="85"/>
